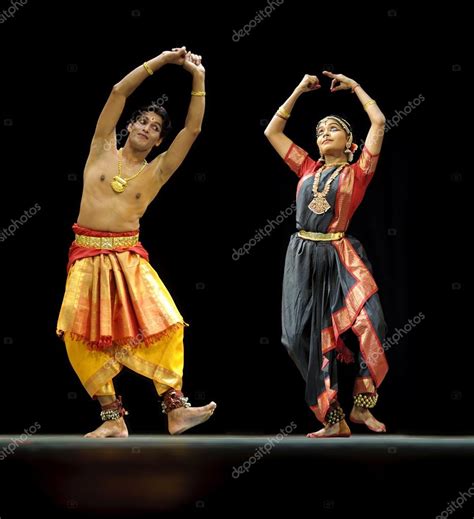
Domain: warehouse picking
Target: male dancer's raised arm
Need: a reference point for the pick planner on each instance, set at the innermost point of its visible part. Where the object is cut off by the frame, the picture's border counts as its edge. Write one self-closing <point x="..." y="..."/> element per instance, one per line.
<point x="169" y="161"/>
<point x="105" y="130"/>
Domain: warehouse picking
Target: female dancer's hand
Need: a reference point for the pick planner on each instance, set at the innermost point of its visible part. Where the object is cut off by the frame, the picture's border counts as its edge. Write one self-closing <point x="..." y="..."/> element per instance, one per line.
<point x="340" y="82"/>
<point x="192" y="63"/>
<point x="308" y="84"/>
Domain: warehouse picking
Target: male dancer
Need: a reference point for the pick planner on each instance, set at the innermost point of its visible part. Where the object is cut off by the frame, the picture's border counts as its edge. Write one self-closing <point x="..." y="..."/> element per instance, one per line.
<point x="116" y="311"/>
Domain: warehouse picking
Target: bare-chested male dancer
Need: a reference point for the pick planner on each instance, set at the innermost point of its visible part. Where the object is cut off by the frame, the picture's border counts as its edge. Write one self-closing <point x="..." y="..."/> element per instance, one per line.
<point x="116" y="311"/>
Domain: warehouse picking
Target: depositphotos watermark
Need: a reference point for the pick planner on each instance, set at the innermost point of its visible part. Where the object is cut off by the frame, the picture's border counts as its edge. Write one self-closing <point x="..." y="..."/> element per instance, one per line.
<point x="395" y="338"/>
<point x="5" y="233"/>
<point x="394" y="121"/>
<point x="456" y="505"/>
<point x="13" y="445"/>
<point x="261" y="14"/>
<point x="128" y="348"/>
<point x="124" y="351"/>
<point x="15" y="5"/>
<point x="263" y="233"/>
<point x="262" y="451"/>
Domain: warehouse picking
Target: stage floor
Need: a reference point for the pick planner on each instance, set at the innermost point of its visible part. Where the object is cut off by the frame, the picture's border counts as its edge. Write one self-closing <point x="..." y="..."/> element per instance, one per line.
<point x="141" y="476"/>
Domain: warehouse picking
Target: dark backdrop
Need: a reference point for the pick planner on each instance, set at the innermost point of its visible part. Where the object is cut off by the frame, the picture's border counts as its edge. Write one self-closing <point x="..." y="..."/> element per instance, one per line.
<point x="59" y="64"/>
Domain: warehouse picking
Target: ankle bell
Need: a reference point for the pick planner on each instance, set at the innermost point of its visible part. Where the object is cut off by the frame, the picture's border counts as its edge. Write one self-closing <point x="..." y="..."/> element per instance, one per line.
<point x="113" y="411"/>
<point x="173" y="399"/>
<point x="334" y="416"/>
<point x="366" y="400"/>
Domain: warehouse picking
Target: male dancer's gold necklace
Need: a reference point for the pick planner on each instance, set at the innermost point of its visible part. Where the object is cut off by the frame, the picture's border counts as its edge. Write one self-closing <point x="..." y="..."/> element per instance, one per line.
<point x="319" y="204"/>
<point x="119" y="183"/>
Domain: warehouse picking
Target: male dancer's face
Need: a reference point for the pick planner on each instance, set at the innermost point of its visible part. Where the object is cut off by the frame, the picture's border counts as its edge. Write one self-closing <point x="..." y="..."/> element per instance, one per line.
<point x="145" y="132"/>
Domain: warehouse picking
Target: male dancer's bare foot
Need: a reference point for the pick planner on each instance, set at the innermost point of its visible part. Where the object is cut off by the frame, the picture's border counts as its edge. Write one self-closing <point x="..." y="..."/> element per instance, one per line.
<point x="364" y="416"/>
<point x="338" y="430"/>
<point x="183" y="418"/>
<point x="110" y="429"/>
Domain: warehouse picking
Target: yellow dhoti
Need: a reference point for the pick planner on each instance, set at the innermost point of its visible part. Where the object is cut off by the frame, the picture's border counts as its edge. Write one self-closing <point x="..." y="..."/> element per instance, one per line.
<point x="117" y="312"/>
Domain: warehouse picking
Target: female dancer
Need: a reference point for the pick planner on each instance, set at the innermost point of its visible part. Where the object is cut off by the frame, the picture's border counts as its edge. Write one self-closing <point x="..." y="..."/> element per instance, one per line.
<point x="328" y="286"/>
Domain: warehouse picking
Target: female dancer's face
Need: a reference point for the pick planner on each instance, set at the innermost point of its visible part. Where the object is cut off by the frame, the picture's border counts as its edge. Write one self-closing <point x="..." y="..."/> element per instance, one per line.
<point x="330" y="137"/>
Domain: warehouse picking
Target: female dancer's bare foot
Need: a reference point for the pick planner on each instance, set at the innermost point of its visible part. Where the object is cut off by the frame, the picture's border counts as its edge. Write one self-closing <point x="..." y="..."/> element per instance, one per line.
<point x="110" y="429"/>
<point x="364" y="416"/>
<point x="183" y="418"/>
<point x="338" y="430"/>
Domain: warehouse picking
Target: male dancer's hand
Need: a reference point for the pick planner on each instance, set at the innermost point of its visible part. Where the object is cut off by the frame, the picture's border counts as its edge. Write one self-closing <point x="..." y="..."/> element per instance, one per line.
<point x="175" y="56"/>
<point x="192" y="64"/>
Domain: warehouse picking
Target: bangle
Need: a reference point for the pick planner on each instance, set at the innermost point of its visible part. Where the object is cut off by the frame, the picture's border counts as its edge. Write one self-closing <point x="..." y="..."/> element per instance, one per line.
<point x="278" y="114"/>
<point x="371" y="102"/>
<point x="282" y="111"/>
<point x="199" y="93"/>
<point x="148" y="69"/>
<point x="354" y="87"/>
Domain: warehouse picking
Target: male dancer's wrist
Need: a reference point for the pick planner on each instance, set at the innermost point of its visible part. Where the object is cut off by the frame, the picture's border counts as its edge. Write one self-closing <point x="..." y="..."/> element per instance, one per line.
<point x="158" y="61"/>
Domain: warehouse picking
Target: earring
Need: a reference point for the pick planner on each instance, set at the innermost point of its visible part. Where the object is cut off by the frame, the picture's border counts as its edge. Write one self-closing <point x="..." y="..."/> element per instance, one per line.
<point x="348" y="150"/>
<point x="349" y="154"/>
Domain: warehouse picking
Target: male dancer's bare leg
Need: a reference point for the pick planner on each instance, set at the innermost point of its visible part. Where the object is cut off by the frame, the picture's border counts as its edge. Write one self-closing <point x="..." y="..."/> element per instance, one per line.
<point x="182" y="419"/>
<point x="110" y="428"/>
<point x="181" y="416"/>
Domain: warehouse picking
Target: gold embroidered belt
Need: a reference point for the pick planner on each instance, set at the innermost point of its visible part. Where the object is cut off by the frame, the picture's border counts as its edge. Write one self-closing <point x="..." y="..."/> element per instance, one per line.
<point x="321" y="236"/>
<point x="106" y="242"/>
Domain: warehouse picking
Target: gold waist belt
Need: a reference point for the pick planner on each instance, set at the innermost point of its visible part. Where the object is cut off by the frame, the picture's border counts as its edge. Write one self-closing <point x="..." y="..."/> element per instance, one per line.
<point x="321" y="236"/>
<point x="106" y="242"/>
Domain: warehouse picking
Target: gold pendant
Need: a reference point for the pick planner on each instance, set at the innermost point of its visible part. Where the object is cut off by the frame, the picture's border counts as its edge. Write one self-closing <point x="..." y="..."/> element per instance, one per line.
<point x="319" y="204"/>
<point x="118" y="184"/>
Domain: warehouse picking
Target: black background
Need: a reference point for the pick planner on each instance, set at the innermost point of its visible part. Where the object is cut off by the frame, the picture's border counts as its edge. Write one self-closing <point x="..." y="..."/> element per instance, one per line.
<point x="59" y="63"/>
